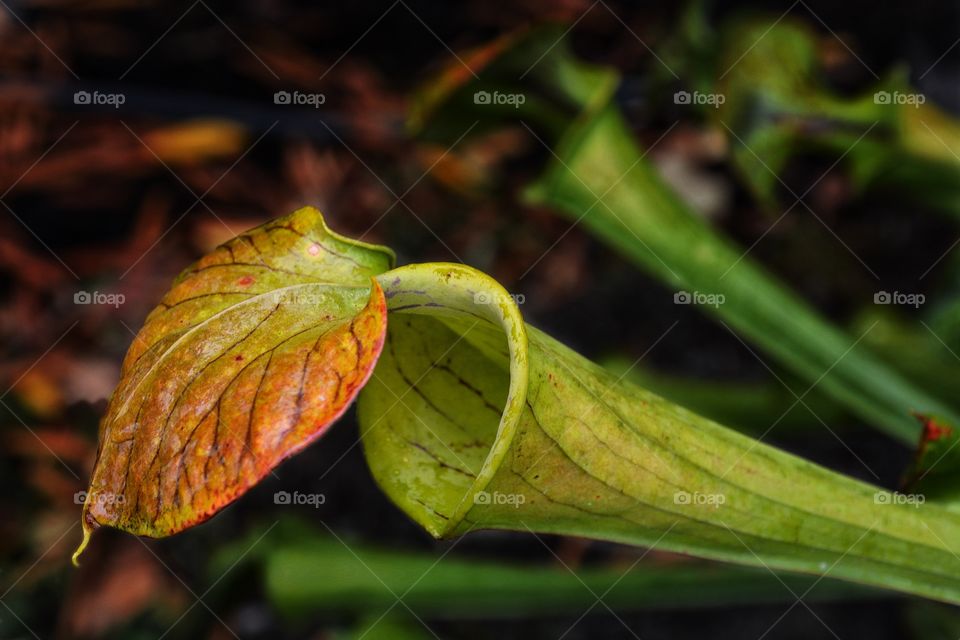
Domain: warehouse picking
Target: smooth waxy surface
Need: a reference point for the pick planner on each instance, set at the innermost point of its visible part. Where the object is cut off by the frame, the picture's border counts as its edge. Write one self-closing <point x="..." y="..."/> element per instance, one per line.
<point x="473" y="421"/>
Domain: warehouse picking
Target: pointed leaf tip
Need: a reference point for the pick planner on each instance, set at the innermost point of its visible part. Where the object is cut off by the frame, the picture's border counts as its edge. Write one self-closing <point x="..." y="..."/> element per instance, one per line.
<point x="89" y="526"/>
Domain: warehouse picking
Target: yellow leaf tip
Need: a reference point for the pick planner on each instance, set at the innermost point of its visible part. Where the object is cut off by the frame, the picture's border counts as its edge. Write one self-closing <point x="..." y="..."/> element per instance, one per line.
<point x="87" y="533"/>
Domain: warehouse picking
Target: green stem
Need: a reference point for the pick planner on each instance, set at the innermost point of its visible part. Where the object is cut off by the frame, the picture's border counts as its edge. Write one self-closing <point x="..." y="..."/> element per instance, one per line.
<point x="363" y="579"/>
<point x="641" y="217"/>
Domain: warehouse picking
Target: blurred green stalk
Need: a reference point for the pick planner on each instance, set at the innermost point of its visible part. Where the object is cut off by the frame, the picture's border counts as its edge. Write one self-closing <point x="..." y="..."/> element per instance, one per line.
<point x="326" y="575"/>
<point x="598" y="176"/>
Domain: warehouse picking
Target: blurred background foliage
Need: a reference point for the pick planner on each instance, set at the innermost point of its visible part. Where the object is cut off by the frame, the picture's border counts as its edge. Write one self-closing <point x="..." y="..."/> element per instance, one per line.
<point x="836" y="193"/>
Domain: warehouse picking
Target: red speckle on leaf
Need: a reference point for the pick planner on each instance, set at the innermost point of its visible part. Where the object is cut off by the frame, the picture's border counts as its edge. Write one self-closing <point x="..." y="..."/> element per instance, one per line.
<point x="314" y="249"/>
<point x="933" y="431"/>
<point x="245" y="281"/>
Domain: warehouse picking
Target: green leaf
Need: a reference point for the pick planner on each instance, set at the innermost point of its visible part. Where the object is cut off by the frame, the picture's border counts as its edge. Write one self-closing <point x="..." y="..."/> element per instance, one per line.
<point x="777" y="104"/>
<point x="600" y="178"/>
<point x="920" y="353"/>
<point x="641" y="217"/>
<point x="253" y="352"/>
<point x="577" y="452"/>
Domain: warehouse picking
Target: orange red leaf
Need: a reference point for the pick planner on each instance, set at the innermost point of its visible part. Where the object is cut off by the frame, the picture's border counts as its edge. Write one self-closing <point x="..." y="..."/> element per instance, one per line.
<point x="251" y="355"/>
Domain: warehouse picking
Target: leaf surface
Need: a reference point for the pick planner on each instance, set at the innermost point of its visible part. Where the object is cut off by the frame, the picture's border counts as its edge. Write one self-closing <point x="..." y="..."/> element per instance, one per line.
<point x="253" y="352"/>
<point x="474" y="421"/>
